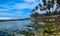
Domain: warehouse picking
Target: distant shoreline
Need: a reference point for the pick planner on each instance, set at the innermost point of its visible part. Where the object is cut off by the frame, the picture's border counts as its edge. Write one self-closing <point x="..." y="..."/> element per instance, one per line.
<point x="4" y="20"/>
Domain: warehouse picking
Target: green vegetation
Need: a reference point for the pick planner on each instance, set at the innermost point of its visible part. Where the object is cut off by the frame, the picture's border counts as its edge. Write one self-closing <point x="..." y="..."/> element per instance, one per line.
<point x="48" y="8"/>
<point x="45" y="29"/>
<point x="48" y="28"/>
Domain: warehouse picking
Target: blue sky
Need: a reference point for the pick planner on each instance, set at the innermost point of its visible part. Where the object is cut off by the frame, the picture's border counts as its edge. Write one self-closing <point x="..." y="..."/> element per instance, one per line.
<point x="17" y="8"/>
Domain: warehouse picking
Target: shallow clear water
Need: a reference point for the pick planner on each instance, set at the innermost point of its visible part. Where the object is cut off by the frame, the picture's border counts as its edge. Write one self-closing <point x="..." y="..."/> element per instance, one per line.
<point x="14" y="25"/>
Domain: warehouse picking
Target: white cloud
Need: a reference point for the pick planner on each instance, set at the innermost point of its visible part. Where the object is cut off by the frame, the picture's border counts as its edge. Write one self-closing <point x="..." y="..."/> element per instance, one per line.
<point x="4" y="18"/>
<point x="17" y="6"/>
<point x="1" y="10"/>
<point x="24" y="5"/>
<point x="5" y="14"/>
<point x="32" y="1"/>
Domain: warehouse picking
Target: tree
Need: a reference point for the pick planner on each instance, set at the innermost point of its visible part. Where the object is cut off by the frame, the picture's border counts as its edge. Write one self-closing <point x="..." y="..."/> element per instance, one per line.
<point x="58" y="2"/>
<point x="55" y="12"/>
<point x="59" y="12"/>
<point x="36" y="8"/>
<point x="48" y="4"/>
<point x="35" y="15"/>
<point x="47" y="27"/>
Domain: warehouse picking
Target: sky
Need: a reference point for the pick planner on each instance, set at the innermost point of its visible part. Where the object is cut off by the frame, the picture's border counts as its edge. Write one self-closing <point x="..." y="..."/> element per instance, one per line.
<point x="17" y="8"/>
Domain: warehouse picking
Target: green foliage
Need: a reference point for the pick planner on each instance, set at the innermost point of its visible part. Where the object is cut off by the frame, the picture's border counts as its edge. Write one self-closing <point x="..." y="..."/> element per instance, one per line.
<point x="27" y="33"/>
<point x="35" y="15"/>
<point x="36" y="8"/>
<point x="48" y="5"/>
<point x="49" y="26"/>
<point x="58" y="2"/>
